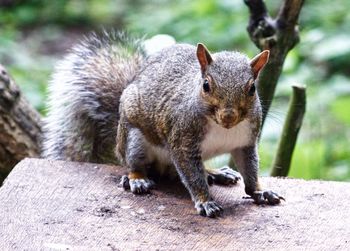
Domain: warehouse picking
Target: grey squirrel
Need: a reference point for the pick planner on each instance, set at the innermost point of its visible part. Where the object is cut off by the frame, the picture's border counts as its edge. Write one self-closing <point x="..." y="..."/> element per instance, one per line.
<point x="166" y="112"/>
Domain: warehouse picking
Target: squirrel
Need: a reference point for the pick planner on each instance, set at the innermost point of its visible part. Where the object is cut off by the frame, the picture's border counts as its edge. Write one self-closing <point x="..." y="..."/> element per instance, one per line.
<point x="167" y="112"/>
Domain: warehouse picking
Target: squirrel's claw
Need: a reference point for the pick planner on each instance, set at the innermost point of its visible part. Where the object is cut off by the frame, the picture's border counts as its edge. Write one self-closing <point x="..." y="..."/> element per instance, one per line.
<point x="137" y="186"/>
<point x="209" y="208"/>
<point x="266" y="197"/>
<point x="224" y="176"/>
<point x="124" y="182"/>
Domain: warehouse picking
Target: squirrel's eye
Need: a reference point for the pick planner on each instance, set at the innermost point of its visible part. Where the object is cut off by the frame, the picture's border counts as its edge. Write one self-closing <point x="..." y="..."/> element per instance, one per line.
<point x="251" y="91"/>
<point x="206" y="86"/>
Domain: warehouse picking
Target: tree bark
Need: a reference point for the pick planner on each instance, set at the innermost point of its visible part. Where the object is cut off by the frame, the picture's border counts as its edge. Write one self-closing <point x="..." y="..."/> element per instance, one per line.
<point x="278" y="35"/>
<point x="20" y="126"/>
<point x="291" y="128"/>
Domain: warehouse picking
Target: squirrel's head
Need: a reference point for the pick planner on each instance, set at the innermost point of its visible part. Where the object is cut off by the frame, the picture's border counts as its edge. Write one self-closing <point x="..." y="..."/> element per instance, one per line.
<point x="228" y="84"/>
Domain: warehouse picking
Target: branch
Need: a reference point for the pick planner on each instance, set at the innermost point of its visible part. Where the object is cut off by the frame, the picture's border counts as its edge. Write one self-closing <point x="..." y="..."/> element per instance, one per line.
<point x="290" y="132"/>
<point x="20" y="126"/>
<point x="289" y="13"/>
<point x="261" y="27"/>
<point x="278" y="35"/>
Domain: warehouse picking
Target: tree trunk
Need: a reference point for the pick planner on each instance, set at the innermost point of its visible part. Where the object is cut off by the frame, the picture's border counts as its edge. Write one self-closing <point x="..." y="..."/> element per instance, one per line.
<point x="20" y="126"/>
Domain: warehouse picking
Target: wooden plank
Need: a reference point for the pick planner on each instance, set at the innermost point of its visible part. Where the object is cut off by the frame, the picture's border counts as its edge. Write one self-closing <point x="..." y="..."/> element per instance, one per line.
<point x="54" y="205"/>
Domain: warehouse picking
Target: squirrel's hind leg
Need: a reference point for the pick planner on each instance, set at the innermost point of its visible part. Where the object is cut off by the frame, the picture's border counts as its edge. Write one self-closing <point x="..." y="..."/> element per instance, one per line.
<point x="140" y="185"/>
<point x="135" y="157"/>
<point x="224" y="176"/>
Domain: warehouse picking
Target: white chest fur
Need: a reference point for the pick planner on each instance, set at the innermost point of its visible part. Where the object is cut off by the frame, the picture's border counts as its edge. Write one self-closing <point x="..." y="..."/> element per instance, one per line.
<point x="219" y="140"/>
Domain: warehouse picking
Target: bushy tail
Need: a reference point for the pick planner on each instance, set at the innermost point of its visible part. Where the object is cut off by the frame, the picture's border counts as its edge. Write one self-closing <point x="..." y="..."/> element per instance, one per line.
<point x="84" y="94"/>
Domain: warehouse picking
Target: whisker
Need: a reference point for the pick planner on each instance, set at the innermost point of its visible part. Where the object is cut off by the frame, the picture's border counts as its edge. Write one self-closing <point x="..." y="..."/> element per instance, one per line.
<point x="276" y="115"/>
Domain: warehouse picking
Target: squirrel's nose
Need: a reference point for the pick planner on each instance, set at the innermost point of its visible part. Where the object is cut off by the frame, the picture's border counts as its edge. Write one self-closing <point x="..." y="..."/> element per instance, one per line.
<point x="229" y="116"/>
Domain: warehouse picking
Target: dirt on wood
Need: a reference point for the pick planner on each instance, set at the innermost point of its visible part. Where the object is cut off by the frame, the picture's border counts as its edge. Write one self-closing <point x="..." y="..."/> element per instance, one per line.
<point x="55" y="205"/>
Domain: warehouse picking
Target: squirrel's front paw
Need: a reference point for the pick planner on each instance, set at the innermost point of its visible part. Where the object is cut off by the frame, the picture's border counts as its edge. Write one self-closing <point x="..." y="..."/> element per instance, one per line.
<point x="224" y="176"/>
<point x="266" y="197"/>
<point x="137" y="186"/>
<point x="208" y="208"/>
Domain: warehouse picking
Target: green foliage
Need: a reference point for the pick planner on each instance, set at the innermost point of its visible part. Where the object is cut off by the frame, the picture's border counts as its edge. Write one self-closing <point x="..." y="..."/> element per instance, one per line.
<point x="340" y="109"/>
<point x="308" y="161"/>
<point x="35" y="33"/>
<point x="25" y="14"/>
<point x="30" y="69"/>
<point x="221" y="25"/>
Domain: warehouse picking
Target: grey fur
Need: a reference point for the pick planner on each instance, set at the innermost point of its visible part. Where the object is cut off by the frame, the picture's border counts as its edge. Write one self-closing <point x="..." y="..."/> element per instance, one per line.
<point x="84" y="93"/>
<point x="165" y="121"/>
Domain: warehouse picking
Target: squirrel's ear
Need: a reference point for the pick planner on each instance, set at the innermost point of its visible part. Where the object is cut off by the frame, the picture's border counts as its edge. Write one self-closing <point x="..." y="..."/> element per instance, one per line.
<point x="259" y="61"/>
<point x="203" y="56"/>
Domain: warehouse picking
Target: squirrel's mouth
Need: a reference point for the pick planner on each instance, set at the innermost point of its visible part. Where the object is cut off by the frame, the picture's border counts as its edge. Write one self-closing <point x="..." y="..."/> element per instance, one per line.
<point x="228" y="123"/>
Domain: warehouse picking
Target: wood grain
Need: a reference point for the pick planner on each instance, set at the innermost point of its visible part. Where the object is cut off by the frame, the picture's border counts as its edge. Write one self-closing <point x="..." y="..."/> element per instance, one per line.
<point x="54" y="205"/>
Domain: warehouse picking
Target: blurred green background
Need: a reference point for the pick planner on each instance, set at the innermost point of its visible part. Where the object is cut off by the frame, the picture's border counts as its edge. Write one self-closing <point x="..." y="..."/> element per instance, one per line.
<point x="35" y="34"/>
